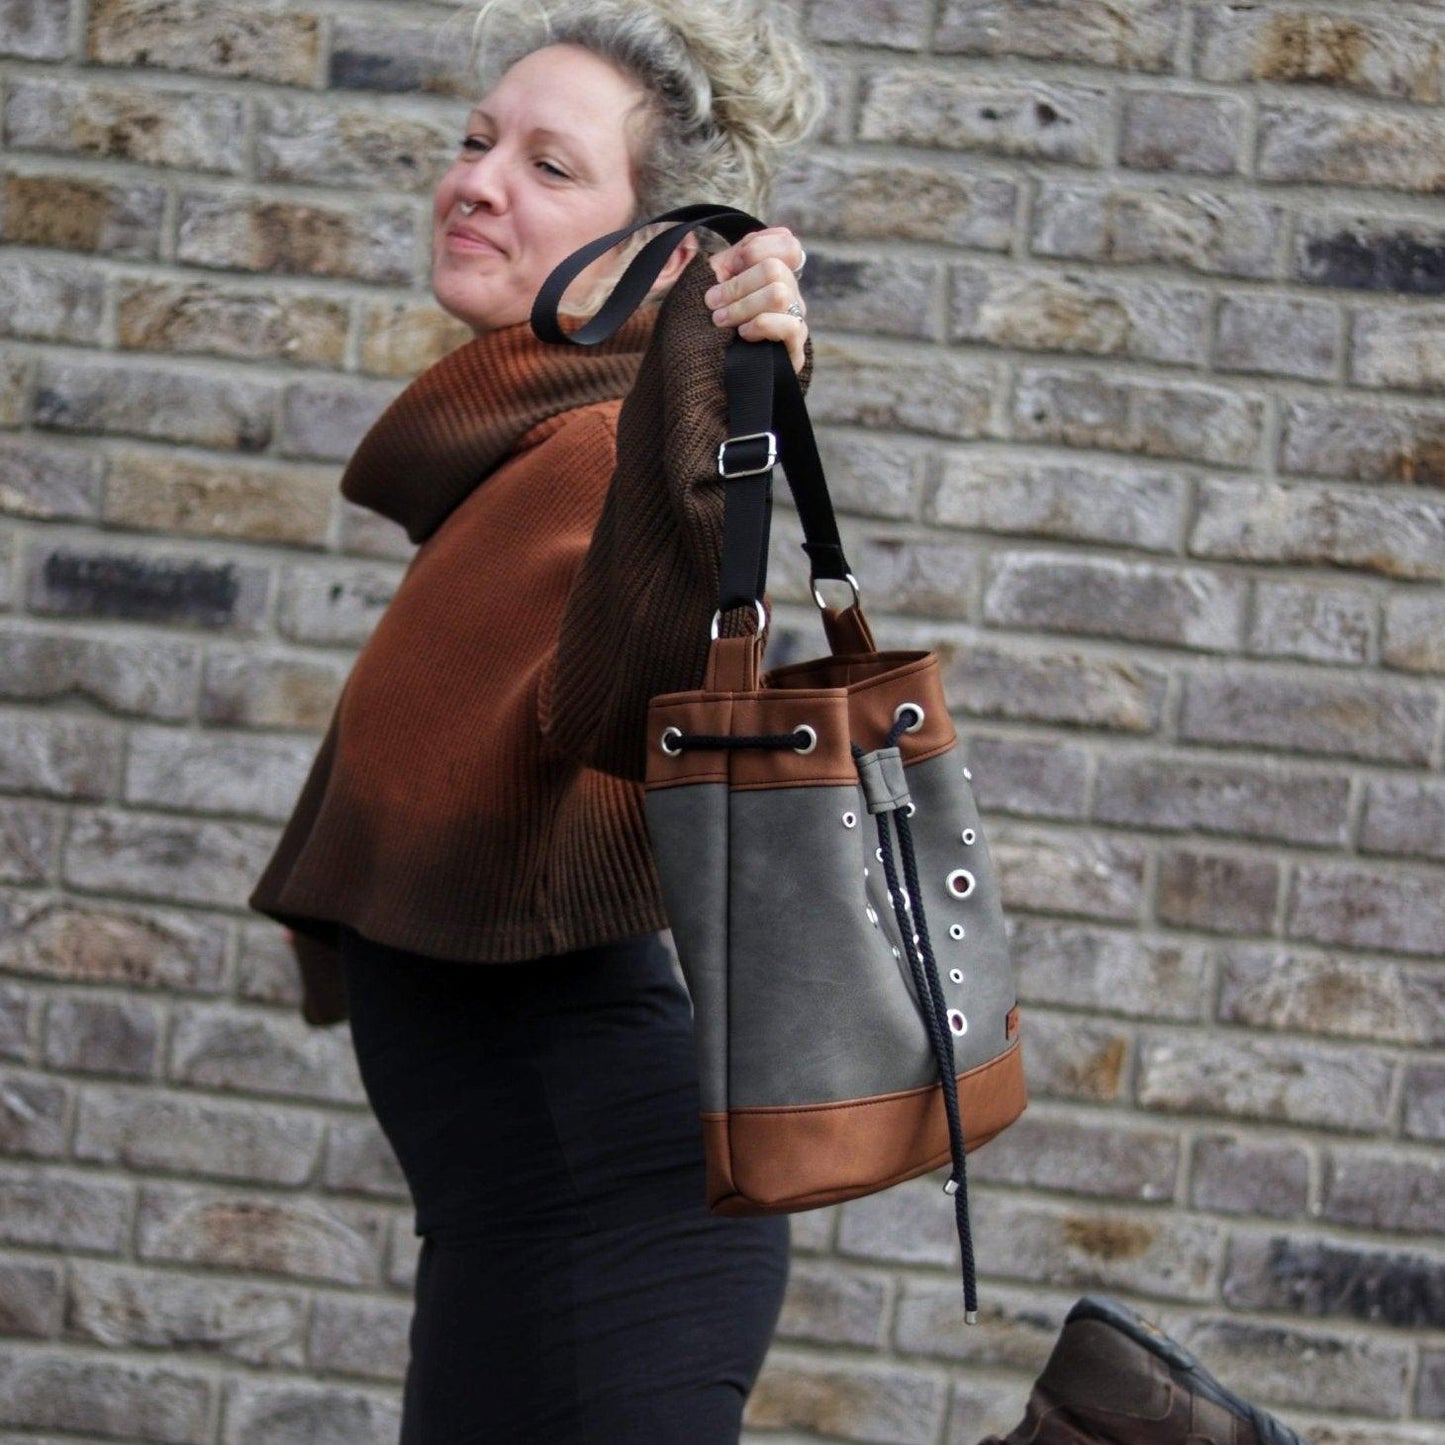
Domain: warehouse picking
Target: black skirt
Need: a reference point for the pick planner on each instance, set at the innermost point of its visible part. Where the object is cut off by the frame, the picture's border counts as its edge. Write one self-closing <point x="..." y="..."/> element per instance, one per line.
<point x="572" y="1285"/>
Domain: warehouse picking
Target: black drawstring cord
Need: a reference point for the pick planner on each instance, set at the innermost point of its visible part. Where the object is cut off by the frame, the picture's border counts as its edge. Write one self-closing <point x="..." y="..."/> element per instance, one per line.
<point x="929" y="988"/>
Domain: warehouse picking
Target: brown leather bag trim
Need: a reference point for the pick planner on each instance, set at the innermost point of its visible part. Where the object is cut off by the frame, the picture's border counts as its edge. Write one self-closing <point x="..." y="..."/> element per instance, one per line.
<point x="780" y="1159"/>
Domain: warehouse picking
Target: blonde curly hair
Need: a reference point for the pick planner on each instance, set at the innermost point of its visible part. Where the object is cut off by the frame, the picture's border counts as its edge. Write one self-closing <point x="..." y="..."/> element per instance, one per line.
<point x="728" y="85"/>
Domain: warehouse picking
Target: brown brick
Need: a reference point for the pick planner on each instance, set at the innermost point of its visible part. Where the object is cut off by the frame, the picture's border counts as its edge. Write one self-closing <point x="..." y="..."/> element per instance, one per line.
<point x="856" y="1402"/>
<point x="242" y="233"/>
<point x="35" y="29"/>
<point x="1220" y="892"/>
<point x="1167" y="131"/>
<point x="1415" y="631"/>
<point x="1135" y="35"/>
<point x="242" y="689"/>
<point x="1357" y="908"/>
<point x="1346" y="146"/>
<point x="1311" y="622"/>
<point x="252" y="42"/>
<point x="74" y="214"/>
<point x="401" y="338"/>
<point x="1364" y="443"/>
<point x="354" y="146"/>
<point x="1077" y="1060"/>
<point x="1069" y="872"/>
<point x="196" y="131"/>
<point x="1378" y="1189"/>
<point x="210" y="319"/>
<point x="1266" y="1079"/>
<point x="50" y="301"/>
<point x="1246" y="1176"/>
<point x="1404" y="815"/>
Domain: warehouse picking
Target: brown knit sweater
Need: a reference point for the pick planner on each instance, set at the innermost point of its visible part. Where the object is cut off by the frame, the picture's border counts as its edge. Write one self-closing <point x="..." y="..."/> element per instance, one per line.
<point x="476" y="795"/>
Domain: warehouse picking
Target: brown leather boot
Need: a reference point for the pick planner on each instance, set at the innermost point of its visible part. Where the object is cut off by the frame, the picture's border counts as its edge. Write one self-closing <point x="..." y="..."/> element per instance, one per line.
<point x="1114" y="1379"/>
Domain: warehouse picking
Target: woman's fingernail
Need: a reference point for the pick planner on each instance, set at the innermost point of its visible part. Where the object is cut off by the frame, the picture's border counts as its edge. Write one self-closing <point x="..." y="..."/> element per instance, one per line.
<point x="712" y="297"/>
<point x="721" y="314"/>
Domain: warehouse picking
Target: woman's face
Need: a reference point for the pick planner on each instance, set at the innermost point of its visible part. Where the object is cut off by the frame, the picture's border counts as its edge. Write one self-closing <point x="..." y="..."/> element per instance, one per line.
<point x="544" y="168"/>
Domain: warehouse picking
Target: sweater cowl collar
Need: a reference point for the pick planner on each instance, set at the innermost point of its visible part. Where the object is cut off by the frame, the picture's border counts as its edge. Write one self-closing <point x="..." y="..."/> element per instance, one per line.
<point x="464" y="415"/>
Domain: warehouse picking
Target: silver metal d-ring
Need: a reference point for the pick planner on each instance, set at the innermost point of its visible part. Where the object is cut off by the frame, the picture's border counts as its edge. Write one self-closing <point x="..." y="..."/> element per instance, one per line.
<point x="818" y="597"/>
<point x="914" y="708"/>
<point x="812" y="738"/>
<point x="960" y="883"/>
<point x="762" y="619"/>
<point x="675" y="734"/>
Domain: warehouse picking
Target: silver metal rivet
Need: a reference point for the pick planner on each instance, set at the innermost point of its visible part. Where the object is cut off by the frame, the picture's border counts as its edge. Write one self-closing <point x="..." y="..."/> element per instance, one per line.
<point x="960" y="883"/>
<point x="850" y="820"/>
<point x="956" y="975"/>
<point x="957" y="1022"/>
<point x="956" y="932"/>
<point x="673" y="736"/>
<point x="968" y="773"/>
<point x="915" y="709"/>
<point x="811" y="735"/>
<point x="970" y="837"/>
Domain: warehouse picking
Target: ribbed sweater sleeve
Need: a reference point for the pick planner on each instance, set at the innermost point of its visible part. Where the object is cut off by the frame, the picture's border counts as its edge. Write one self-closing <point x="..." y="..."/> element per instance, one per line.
<point x="638" y="616"/>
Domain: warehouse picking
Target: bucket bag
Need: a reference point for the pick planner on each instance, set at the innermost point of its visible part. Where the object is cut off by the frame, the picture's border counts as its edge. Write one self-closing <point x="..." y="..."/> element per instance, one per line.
<point x="823" y="866"/>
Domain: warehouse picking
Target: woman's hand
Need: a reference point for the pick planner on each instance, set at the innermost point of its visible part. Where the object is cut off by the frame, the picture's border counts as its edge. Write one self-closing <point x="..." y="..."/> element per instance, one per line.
<point x="757" y="284"/>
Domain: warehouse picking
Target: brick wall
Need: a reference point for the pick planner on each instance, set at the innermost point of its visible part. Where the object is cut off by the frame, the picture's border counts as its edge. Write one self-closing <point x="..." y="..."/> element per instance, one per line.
<point x="1131" y="356"/>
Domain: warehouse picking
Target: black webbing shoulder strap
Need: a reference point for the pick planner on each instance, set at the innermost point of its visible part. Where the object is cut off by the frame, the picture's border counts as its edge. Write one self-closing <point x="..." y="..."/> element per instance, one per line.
<point x="768" y="419"/>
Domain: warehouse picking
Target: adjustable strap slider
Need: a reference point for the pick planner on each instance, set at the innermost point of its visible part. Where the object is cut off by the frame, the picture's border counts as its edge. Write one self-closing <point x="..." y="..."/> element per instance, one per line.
<point x="731" y="470"/>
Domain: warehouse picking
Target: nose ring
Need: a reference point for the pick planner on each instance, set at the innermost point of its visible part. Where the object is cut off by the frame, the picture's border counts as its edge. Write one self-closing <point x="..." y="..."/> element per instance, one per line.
<point x="468" y="207"/>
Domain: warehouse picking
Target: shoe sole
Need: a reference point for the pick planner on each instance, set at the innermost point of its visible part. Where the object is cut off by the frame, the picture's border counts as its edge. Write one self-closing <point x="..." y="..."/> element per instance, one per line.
<point x="1138" y="1329"/>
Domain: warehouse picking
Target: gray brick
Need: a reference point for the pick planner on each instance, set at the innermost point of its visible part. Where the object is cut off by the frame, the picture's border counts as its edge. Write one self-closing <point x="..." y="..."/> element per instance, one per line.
<point x="360" y="1160"/>
<point x="49" y="300"/>
<point x="193" y="130"/>
<point x="42" y="1208"/>
<point x="1109" y="971"/>
<point x="933" y="578"/>
<point x="29" y="842"/>
<point x="1430" y="1396"/>
<point x="1015" y="117"/>
<point x="1122" y="505"/>
<point x="1220" y="892"/>
<point x="1136" y="35"/>
<point x="17" y="375"/>
<point x="897" y="24"/>
<point x="1425" y="1101"/>
<point x="1041" y="779"/>
<point x="248" y="1051"/>
<point x="1073" y="688"/>
<point x="292" y="238"/>
<point x="874" y="387"/>
<point x="18" y="1006"/>
<point x="1319" y="1279"/>
<point x="155" y="677"/>
<point x="116" y="943"/>
<point x="1368" y="252"/>
<point x="409" y="57"/>
<point x="1262" y="802"/>
<point x="273" y="1234"/>
<point x="324" y="419"/>
<point x="123" y="1308"/>
<point x="73" y="758"/>
<point x="871" y="476"/>
<point x="1346" y="146"/>
<point x="1352" y="906"/>
<point x="1379" y="54"/>
<point x="90" y="1396"/>
<point x="1267" y="988"/>
<point x="211" y="318"/>
<point x="216" y="773"/>
<point x="267" y="971"/>
<point x="35" y="29"/>
<point x="981" y="1405"/>
<point x="1084" y="1247"/>
<point x="151" y="1131"/>
<point x="1404" y="815"/>
<point x="1016" y="1328"/>
<point x="1162" y="419"/>
<point x="1339" y="716"/>
<point x="1103" y="596"/>
<point x="1311" y="622"/>
<point x="1166" y="131"/>
<point x="1378" y="1189"/>
<point x="1247" y="1176"/>
<point x="1279" y="337"/>
<point x="260" y="1412"/>
<point x="1288" y="1366"/>
<point x="855" y="198"/>
<point x="1216" y="234"/>
<point x="849" y="1402"/>
<point x="33" y="1116"/>
<point x="103" y="1036"/>
<point x="30" y="1297"/>
<point x="896" y="297"/>
<point x="336" y="608"/>
<point x="402" y="338"/>
<point x="75" y="214"/>
<point x="361" y="1337"/>
<point x="241" y="41"/>
<point x="355" y="146"/>
<point x="162" y="857"/>
<point x="1400" y="349"/>
<point x="911" y="1223"/>
<point x="255" y="690"/>
<point x="1070" y="1058"/>
<point x="1267" y="1079"/>
<point x="160" y="403"/>
<point x="826" y="1305"/>
<point x="1415" y="631"/>
<point x="1049" y="310"/>
<point x="1364" y="443"/>
<point x="46" y="482"/>
<point x="1076" y="1157"/>
<point x="1069" y="872"/>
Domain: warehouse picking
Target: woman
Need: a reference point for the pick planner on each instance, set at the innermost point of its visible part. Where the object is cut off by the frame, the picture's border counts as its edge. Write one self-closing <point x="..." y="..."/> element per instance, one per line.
<point x="466" y="871"/>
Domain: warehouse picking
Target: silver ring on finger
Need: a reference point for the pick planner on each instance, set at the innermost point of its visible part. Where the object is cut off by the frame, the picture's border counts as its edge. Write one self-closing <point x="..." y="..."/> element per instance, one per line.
<point x="796" y="309"/>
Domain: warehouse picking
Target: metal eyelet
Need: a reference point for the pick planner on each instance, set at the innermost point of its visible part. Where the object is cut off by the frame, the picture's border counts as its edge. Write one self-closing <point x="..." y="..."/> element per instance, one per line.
<point x="811" y="736"/>
<point x="914" y="708"/>
<point x="675" y="736"/>
<point x="968" y="774"/>
<point x="955" y="975"/>
<point x="910" y="810"/>
<point x="969" y="837"/>
<point x="878" y="854"/>
<point x="956" y="932"/>
<point x="850" y="820"/>
<point x="960" y="883"/>
<point x="957" y="1022"/>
